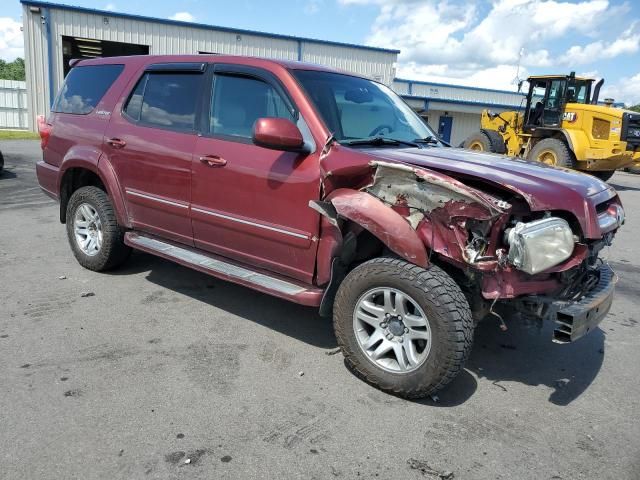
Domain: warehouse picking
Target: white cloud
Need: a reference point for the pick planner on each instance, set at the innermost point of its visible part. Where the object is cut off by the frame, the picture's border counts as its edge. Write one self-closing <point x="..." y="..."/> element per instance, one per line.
<point x="312" y="7"/>
<point x="625" y="90"/>
<point x="110" y="7"/>
<point x="11" y="40"/>
<point x="461" y="40"/>
<point x="183" y="17"/>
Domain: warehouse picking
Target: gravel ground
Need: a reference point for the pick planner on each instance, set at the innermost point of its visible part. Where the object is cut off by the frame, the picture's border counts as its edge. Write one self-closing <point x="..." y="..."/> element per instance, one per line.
<point x="167" y="373"/>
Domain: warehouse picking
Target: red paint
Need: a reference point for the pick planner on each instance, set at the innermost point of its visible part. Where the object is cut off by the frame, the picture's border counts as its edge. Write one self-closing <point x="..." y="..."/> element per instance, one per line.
<point x="277" y="133"/>
<point x="248" y="201"/>
<point x="385" y="224"/>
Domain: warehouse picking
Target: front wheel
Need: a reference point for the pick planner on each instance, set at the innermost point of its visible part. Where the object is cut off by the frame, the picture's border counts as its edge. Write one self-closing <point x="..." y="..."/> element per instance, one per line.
<point x="96" y="239"/>
<point x="402" y="328"/>
<point x="553" y="152"/>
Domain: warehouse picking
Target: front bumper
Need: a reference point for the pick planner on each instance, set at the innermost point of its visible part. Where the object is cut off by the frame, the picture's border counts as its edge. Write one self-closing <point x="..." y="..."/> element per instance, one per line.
<point x="576" y="319"/>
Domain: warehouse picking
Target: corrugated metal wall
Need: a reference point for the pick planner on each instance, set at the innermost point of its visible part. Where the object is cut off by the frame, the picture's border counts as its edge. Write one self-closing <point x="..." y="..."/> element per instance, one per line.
<point x="13" y="104"/>
<point x="463" y="124"/>
<point x="165" y="38"/>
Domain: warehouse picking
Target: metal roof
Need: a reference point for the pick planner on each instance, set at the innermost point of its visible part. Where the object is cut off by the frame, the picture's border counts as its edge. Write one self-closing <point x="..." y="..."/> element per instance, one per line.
<point x="467" y="87"/>
<point x="558" y="76"/>
<point x="205" y="26"/>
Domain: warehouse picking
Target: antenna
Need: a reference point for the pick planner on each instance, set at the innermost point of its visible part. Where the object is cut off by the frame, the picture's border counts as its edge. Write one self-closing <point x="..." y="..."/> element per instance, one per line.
<point x="517" y="79"/>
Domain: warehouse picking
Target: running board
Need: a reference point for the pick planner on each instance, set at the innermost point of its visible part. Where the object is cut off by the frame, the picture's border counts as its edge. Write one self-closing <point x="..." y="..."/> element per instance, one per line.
<point x="222" y="268"/>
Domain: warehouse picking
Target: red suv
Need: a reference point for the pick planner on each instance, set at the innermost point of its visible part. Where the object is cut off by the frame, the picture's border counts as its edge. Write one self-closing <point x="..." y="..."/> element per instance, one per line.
<point x="326" y="189"/>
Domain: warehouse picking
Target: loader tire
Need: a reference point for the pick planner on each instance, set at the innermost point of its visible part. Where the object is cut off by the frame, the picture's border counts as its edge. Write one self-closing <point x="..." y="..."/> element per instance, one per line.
<point x="552" y="152"/>
<point x="485" y="141"/>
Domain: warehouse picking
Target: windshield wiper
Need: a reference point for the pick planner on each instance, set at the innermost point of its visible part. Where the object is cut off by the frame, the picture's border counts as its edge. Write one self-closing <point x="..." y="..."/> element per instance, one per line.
<point x="379" y="141"/>
<point x="430" y="140"/>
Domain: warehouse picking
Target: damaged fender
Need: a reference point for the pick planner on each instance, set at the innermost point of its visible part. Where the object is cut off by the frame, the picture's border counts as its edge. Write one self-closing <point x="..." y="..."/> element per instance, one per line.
<point x="381" y="221"/>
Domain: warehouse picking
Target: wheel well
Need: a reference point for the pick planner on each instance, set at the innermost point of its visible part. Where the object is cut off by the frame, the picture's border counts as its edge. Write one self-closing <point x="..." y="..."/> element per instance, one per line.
<point x="73" y="179"/>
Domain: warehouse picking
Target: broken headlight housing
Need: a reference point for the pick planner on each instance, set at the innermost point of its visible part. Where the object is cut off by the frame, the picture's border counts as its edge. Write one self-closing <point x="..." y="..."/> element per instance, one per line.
<point x="539" y="245"/>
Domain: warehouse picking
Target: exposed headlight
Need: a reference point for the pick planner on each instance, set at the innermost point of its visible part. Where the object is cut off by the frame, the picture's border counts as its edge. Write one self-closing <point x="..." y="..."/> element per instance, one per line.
<point x="541" y="244"/>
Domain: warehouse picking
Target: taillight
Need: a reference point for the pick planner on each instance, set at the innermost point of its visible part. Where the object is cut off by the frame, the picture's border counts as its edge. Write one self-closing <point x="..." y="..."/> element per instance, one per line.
<point x="44" y="129"/>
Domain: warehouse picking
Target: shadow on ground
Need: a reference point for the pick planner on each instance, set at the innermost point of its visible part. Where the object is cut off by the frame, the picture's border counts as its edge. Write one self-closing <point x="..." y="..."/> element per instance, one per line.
<point x="622" y="188"/>
<point x="523" y="354"/>
<point x="301" y="323"/>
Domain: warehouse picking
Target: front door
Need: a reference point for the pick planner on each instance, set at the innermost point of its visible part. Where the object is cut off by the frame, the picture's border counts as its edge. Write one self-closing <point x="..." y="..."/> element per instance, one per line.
<point x="444" y="128"/>
<point x="150" y="143"/>
<point x="250" y="203"/>
<point x="554" y="103"/>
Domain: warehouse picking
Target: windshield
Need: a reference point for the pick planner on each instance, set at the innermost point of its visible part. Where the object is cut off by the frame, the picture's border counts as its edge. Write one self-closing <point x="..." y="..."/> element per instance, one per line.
<point x="355" y="108"/>
<point x="578" y="91"/>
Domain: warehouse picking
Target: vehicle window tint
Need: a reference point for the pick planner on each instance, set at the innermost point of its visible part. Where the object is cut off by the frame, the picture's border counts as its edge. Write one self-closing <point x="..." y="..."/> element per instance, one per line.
<point x="239" y="101"/>
<point x="134" y="106"/>
<point x="166" y="100"/>
<point x="84" y="87"/>
<point x="354" y="108"/>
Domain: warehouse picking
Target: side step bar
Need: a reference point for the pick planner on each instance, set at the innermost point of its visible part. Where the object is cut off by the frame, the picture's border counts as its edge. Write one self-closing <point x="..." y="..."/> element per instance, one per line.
<point x="223" y="268"/>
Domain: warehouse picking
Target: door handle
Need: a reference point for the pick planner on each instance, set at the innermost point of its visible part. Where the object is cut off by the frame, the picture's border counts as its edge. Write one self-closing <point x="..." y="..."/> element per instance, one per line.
<point x="116" y="142"/>
<point x="213" y="161"/>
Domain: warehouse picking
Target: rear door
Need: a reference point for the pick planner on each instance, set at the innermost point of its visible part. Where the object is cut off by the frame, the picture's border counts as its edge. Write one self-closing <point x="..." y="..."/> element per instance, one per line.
<point x="248" y="202"/>
<point x="150" y="143"/>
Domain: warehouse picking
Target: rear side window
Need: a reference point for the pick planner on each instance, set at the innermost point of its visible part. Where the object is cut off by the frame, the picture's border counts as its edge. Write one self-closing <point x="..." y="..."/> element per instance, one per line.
<point x="166" y="100"/>
<point x="84" y="87"/>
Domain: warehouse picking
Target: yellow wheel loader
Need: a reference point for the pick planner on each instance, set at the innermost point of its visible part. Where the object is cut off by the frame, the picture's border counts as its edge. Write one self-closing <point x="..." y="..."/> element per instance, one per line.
<point x="563" y="125"/>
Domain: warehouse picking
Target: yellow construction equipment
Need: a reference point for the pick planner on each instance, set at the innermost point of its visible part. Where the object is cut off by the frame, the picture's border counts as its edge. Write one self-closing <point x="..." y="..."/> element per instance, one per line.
<point x="563" y="125"/>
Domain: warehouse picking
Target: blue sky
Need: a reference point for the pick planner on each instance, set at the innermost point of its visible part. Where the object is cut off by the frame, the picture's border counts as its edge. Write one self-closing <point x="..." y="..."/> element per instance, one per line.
<point x="474" y="42"/>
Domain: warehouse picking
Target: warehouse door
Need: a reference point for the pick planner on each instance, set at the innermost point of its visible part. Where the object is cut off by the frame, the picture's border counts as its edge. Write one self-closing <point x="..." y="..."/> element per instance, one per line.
<point x="444" y="128"/>
<point x="76" y="47"/>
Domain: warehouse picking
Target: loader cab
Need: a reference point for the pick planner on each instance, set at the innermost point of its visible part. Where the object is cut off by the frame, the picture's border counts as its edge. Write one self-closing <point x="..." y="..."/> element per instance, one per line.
<point x="548" y="96"/>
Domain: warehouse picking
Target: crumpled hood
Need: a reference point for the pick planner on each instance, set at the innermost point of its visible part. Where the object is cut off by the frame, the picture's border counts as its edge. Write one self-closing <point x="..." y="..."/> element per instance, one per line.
<point x="543" y="187"/>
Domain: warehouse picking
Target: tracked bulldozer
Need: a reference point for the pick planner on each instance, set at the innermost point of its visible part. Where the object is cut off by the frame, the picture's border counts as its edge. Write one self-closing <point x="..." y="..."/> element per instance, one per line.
<point x="563" y="124"/>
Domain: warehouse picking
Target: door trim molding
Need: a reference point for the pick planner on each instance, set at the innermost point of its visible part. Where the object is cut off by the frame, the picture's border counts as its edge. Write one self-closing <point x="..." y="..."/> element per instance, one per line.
<point x="157" y="199"/>
<point x="254" y="224"/>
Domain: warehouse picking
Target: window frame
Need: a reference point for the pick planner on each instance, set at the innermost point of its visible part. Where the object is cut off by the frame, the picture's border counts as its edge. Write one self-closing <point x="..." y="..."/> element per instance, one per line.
<point x="101" y="65"/>
<point x="246" y="71"/>
<point x="164" y="69"/>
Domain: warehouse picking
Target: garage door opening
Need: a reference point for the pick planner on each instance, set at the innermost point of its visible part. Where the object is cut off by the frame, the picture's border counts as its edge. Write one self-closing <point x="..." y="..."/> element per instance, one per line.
<point x="76" y="47"/>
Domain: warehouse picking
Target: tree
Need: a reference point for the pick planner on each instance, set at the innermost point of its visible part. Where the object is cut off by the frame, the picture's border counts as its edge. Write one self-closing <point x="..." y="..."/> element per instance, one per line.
<point x="12" y="70"/>
<point x="635" y="108"/>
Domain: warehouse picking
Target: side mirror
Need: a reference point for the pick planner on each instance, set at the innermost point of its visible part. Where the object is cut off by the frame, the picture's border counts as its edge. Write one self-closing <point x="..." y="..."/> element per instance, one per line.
<point x="278" y="134"/>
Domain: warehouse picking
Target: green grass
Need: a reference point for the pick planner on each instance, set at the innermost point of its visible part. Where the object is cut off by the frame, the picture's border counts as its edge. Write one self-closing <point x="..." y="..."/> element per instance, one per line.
<point x="18" y="135"/>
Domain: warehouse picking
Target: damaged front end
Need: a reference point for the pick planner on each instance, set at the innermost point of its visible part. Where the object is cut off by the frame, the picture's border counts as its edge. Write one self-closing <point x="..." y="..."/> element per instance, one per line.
<point x="488" y="240"/>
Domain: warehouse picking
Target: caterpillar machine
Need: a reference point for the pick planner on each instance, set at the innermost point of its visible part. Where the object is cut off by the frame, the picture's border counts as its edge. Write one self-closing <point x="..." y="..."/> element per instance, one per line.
<point x="563" y="125"/>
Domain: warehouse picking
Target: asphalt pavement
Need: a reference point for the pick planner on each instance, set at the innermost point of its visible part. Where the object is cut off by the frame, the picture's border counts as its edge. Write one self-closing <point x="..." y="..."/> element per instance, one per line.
<point x="166" y="373"/>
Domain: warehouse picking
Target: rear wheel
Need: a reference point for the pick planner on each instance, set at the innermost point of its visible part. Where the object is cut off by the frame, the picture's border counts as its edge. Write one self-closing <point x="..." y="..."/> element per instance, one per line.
<point x="603" y="175"/>
<point x="553" y="152"/>
<point x="96" y="239"/>
<point x="404" y="329"/>
<point x="485" y="141"/>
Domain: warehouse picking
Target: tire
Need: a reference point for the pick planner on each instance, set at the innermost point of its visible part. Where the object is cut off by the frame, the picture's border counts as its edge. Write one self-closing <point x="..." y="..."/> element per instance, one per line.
<point x="485" y="141"/>
<point x="434" y="294"/>
<point x="603" y="175"/>
<point x="554" y="152"/>
<point x="110" y="251"/>
<point x="1" y="162"/>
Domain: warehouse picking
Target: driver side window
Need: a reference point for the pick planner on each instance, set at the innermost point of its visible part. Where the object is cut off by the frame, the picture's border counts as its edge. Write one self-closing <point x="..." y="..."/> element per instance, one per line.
<point x="238" y="101"/>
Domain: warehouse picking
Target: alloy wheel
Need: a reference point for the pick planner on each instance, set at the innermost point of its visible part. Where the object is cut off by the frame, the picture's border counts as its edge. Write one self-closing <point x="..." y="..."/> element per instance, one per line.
<point x="392" y="330"/>
<point x="87" y="228"/>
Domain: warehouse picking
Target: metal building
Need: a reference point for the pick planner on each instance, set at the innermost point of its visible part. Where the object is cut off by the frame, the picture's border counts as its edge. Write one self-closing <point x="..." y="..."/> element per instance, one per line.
<point x="453" y="110"/>
<point x="56" y="33"/>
